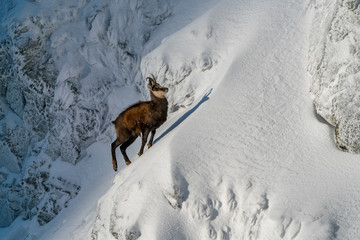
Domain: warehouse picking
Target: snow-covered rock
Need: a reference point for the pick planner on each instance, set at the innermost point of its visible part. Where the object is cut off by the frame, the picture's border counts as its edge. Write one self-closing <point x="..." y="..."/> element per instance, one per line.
<point x="334" y="64"/>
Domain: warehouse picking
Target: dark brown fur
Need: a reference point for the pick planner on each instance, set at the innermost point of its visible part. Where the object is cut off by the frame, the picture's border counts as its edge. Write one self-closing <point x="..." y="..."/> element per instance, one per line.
<point x="139" y="120"/>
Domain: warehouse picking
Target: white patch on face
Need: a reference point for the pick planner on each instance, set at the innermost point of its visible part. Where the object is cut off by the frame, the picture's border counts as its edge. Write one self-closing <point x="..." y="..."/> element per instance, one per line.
<point x="159" y="94"/>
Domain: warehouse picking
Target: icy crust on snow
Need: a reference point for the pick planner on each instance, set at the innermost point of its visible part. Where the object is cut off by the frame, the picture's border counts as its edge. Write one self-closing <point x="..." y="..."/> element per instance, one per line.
<point x="334" y="64"/>
<point x="59" y="63"/>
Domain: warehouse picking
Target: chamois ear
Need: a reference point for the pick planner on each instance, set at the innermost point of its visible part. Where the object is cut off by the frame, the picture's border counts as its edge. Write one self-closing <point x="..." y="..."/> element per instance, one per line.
<point x="150" y="80"/>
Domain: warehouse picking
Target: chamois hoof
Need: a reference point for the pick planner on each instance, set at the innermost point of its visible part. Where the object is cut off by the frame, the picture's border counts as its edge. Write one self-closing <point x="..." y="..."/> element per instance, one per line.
<point x="127" y="162"/>
<point x="115" y="169"/>
<point x="149" y="145"/>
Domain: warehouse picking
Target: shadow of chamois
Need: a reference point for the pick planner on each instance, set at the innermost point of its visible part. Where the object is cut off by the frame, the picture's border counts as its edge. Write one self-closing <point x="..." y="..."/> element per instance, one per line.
<point x="186" y="115"/>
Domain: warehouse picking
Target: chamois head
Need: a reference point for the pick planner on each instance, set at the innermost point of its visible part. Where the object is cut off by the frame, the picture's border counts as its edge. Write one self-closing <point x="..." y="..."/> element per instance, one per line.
<point x="155" y="88"/>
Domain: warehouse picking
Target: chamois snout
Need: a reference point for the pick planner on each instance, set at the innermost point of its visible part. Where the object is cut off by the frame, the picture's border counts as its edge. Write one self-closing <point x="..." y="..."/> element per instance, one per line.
<point x="140" y="119"/>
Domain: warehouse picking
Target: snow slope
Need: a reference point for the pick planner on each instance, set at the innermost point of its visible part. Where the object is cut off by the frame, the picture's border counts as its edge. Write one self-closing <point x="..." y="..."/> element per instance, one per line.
<point x="243" y="157"/>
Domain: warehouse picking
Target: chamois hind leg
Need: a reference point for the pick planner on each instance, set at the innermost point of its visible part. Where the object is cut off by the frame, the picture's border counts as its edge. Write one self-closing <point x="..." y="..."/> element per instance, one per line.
<point x="151" y="138"/>
<point x="145" y="135"/>
<point x="123" y="149"/>
<point x="114" y="145"/>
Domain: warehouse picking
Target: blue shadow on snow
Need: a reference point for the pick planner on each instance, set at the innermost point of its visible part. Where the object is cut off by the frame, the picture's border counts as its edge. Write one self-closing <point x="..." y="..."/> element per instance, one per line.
<point x="186" y="115"/>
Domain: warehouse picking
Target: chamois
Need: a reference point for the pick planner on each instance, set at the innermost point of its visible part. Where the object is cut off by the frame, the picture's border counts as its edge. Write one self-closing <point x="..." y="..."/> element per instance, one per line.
<point x="140" y="119"/>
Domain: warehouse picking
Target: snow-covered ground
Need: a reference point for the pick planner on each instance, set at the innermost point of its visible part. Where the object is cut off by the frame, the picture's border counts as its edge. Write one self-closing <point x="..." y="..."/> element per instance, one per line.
<point x="243" y="154"/>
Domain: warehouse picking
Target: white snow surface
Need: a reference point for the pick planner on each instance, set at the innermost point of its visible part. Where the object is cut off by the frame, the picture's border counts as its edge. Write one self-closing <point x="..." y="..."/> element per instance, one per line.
<point x="248" y="159"/>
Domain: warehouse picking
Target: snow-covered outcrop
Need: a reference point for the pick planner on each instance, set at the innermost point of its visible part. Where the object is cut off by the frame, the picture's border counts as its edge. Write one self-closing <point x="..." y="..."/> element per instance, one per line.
<point x="59" y="63"/>
<point x="334" y="64"/>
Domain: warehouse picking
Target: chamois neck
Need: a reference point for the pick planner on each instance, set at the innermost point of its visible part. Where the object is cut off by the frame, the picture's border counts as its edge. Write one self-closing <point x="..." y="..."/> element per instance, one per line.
<point x="157" y="97"/>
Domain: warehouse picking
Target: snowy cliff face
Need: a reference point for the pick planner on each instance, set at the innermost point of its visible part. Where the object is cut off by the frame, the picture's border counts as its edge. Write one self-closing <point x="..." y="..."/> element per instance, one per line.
<point x="67" y="70"/>
<point x="59" y="63"/>
<point x="243" y="165"/>
<point x="334" y="64"/>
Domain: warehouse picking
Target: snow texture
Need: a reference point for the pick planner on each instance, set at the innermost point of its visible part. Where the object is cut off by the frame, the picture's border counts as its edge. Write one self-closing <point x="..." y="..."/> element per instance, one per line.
<point x="243" y="155"/>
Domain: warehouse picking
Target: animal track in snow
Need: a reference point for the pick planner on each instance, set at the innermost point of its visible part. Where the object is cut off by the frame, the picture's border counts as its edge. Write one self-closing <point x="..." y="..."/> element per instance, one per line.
<point x="179" y="191"/>
<point x="231" y="201"/>
<point x="237" y="206"/>
<point x="207" y="209"/>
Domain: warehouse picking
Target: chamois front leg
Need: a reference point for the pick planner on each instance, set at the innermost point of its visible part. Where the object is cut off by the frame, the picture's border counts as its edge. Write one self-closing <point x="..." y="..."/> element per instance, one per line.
<point x="123" y="149"/>
<point x="145" y="134"/>
<point x="151" y="138"/>
<point x="114" y="145"/>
